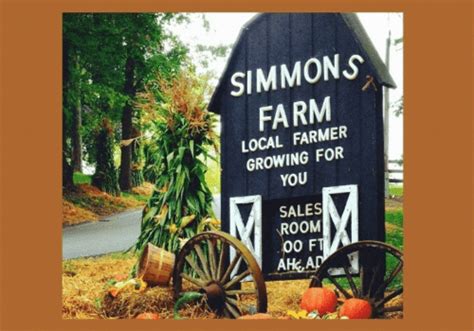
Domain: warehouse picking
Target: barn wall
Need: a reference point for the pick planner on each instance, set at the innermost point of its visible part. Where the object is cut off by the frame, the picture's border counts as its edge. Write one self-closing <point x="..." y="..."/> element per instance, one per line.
<point x="286" y="38"/>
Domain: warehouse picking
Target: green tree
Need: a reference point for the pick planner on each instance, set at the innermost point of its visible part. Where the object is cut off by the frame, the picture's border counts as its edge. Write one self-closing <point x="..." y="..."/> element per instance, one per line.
<point x="108" y="58"/>
<point x="73" y="28"/>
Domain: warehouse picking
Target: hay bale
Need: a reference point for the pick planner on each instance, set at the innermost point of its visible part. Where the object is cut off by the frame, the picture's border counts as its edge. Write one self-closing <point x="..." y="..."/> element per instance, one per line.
<point x="129" y="303"/>
<point x="259" y="316"/>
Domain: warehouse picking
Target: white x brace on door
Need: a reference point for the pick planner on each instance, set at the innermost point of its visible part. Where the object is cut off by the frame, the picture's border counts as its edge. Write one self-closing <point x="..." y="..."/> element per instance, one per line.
<point x="242" y="230"/>
<point x="330" y="214"/>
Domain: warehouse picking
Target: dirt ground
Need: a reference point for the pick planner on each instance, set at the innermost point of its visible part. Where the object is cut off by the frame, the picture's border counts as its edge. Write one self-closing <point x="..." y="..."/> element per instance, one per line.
<point x="394" y="203"/>
<point x="88" y="203"/>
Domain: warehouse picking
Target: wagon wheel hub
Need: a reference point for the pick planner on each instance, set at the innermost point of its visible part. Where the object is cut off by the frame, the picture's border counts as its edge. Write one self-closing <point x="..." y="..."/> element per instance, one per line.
<point x="215" y="295"/>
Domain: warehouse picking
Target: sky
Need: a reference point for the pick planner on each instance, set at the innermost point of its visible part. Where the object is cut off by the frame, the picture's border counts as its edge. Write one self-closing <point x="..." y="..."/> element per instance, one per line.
<point x="224" y="29"/>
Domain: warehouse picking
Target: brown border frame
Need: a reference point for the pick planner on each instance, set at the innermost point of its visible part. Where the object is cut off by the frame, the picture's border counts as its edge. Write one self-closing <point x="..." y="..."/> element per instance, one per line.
<point x="438" y="162"/>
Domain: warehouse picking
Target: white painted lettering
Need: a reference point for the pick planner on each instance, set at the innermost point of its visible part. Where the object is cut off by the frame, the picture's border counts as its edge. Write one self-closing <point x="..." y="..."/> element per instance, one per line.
<point x="355" y="70"/>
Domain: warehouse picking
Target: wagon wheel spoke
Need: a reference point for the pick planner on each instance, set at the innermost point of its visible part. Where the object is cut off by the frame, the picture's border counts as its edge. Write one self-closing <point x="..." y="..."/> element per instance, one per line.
<point x="315" y="282"/>
<point x="353" y="286"/>
<point x="241" y="292"/>
<point x="237" y="304"/>
<point x="235" y="313"/>
<point x="389" y="297"/>
<point x="390" y="278"/>
<point x="220" y="265"/>
<point x="237" y="279"/>
<point x="391" y="309"/>
<point x="362" y="277"/>
<point x="212" y="258"/>
<point x="338" y="286"/>
<point x="195" y="267"/>
<point x="193" y="280"/>
<point x="372" y="280"/>
<point x="226" y="313"/>
<point x="202" y="258"/>
<point x="232" y="301"/>
<point x="231" y="266"/>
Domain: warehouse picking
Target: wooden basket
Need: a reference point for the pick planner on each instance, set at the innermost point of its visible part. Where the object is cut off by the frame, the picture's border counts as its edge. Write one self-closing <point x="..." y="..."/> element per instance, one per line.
<point x="156" y="265"/>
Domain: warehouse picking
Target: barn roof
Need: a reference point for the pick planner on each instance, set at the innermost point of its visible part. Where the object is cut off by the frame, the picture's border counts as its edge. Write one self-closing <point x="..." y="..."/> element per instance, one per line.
<point x="381" y="73"/>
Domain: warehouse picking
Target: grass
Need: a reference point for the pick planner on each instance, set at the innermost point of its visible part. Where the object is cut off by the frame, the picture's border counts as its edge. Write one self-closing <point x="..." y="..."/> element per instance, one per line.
<point x="394" y="237"/>
<point x="394" y="228"/>
<point x="138" y="197"/>
<point x="394" y="217"/>
<point x="395" y="190"/>
<point x="80" y="178"/>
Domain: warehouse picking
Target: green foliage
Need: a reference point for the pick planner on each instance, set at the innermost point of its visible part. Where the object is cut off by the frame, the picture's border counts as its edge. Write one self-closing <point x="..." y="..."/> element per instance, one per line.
<point x="96" y="48"/>
<point x="181" y="204"/>
<point x="220" y="50"/>
<point x="80" y="178"/>
<point x="151" y="168"/>
<point x="398" y="41"/>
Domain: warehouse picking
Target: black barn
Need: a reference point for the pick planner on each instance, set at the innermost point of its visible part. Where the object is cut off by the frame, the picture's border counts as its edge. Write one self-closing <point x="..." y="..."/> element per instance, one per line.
<point x="302" y="134"/>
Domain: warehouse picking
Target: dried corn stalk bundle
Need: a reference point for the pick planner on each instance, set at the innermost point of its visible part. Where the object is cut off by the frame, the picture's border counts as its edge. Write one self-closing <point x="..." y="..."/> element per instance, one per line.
<point x="181" y="204"/>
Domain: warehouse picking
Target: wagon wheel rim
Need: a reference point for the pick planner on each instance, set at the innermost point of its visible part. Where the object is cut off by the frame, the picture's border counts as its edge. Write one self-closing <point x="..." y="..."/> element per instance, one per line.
<point x="379" y="295"/>
<point x="206" y="254"/>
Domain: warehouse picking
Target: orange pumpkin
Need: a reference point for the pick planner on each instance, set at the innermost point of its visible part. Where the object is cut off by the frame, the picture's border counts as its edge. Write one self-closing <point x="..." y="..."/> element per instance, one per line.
<point x="319" y="298"/>
<point x="356" y="309"/>
<point x="148" y="316"/>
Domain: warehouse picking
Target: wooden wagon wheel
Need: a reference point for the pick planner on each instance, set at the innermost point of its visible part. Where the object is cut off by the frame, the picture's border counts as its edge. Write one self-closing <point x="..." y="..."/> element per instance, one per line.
<point x="371" y="285"/>
<point x="231" y="289"/>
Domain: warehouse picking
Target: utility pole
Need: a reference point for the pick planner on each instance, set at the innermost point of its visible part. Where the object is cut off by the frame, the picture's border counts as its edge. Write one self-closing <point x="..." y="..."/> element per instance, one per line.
<point x="386" y="111"/>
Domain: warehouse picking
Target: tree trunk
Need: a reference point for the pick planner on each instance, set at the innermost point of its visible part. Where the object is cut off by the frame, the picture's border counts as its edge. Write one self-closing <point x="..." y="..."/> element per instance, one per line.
<point x="127" y="128"/>
<point x="137" y="160"/>
<point x="77" y="123"/>
<point x="105" y="176"/>
<point x="68" y="182"/>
